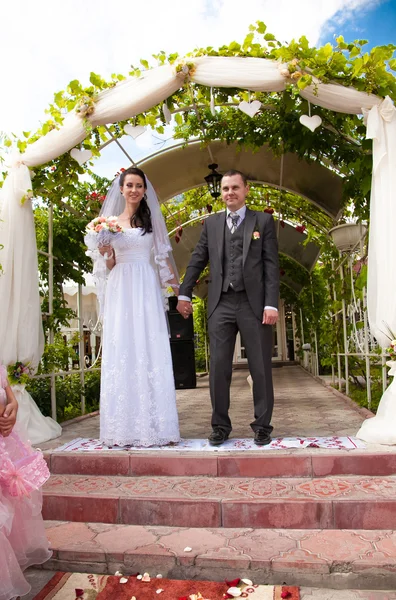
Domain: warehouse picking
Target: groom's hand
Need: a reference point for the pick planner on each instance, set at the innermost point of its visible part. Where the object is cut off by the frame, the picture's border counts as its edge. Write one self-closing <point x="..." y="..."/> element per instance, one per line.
<point x="105" y="250"/>
<point x="270" y="316"/>
<point x="184" y="308"/>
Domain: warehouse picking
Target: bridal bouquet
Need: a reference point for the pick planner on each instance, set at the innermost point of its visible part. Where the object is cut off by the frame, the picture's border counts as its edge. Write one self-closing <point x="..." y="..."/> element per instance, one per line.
<point x="19" y="373"/>
<point x="391" y="335"/>
<point x="104" y="228"/>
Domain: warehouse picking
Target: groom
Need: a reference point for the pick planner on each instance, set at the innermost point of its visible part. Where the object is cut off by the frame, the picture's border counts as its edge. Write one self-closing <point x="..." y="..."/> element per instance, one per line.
<point x="242" y="249"/>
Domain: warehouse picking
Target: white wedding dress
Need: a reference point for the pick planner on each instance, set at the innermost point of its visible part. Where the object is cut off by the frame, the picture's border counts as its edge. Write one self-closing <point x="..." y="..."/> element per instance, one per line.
<point x="137" y="398"/>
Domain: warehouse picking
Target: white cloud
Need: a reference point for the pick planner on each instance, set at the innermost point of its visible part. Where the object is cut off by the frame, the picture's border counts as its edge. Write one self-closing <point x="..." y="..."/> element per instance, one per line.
<point x="47" y="43"/>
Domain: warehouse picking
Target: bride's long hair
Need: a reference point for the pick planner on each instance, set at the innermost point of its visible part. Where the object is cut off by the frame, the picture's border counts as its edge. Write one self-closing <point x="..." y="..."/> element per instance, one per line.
<point x="142" y="217"/>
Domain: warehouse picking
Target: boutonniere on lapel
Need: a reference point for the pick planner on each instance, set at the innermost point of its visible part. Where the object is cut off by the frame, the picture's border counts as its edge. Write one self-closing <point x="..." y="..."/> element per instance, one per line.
<point x="256" y="235"/>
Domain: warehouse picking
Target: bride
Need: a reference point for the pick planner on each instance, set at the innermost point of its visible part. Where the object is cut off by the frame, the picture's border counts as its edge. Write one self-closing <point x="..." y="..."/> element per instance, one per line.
<point x="137" y="397"/>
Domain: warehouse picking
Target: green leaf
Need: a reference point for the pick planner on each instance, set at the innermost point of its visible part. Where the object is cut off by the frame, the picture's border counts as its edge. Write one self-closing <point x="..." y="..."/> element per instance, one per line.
<point x="95" y="79"/>
<point x="261" y="27"/>
<point x="269" y="37"/>
<point x="357" y="66"/>
<point x="144" y="63"/>
<point x="248" y="40"/>
<point x="75" y="87"/>
<point x="392" y="64"/>
<point x="235" y="47"/>
<point x="354" y="52"/>
<point x="26" y="133"/>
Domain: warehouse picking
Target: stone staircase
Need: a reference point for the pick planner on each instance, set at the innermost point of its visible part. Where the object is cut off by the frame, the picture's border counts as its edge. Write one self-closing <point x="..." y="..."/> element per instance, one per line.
<point x="304" y="517"/>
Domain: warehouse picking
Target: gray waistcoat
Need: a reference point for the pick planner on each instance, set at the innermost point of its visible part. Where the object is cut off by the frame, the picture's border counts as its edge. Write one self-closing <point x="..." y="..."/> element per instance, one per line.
<point x="232" y="258"/>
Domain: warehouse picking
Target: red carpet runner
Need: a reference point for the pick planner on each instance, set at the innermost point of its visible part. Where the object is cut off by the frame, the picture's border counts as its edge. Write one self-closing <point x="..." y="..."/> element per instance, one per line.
<point x="67" y="586"/>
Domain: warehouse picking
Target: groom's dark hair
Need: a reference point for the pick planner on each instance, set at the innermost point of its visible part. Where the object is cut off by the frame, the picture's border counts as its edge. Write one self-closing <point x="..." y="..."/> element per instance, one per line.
<point x="232" y="172"/>
<point x="142" y="217"/>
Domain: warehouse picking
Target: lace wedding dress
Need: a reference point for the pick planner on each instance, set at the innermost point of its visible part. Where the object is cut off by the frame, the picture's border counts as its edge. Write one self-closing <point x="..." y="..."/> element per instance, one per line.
<point x="137" y="399"/>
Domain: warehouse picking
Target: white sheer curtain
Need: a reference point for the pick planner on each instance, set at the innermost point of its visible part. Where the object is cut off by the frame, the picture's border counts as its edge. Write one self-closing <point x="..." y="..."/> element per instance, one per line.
<point x="381" y="283"/>
<point x="135" y="95"/>
<point x="21" y="332"/>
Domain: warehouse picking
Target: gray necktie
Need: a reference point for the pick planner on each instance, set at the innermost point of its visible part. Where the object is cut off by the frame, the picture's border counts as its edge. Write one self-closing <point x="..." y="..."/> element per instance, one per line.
<point x="234" y="219"/>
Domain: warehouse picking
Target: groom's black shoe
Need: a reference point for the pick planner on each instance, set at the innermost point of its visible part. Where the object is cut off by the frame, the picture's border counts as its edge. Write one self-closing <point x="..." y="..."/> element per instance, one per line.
<point x="261" y="437"/>
<point x="218" y="437"/>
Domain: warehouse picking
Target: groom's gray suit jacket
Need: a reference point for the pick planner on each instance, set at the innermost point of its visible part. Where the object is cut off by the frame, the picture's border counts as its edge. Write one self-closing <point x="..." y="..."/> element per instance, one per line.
<point x="260" y="268"/>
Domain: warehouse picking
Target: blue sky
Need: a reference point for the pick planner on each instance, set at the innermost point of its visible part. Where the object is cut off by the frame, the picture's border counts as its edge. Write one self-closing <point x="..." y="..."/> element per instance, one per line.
<point x="376" y="23"/>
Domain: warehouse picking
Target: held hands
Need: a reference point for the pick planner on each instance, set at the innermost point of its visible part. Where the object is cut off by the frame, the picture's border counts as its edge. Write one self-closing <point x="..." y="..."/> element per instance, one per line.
<point x="270" y="316"/>
<point x="106" y="250"/>
<point x="8" y="418"/>
<point x="184" y="308"/>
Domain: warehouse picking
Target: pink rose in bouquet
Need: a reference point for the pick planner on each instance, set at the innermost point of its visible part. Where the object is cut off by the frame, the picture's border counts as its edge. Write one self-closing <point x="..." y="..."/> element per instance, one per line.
<point x="105" y="228"/>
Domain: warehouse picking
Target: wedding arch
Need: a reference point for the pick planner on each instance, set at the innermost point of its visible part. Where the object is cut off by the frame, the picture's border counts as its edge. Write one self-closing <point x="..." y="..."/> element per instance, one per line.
<point x="249" y="78"/>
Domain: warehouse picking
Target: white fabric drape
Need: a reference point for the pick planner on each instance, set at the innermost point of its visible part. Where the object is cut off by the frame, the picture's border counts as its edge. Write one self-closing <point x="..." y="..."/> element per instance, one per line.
<point x="381" y="278"/>
<point x="256" y="74"/>
<point x="21" y="332"/>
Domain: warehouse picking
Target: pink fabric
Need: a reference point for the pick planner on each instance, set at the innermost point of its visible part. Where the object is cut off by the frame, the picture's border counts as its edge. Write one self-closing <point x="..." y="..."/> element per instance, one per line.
<point x="23" y="470"/>
<point x="22" y="535"/>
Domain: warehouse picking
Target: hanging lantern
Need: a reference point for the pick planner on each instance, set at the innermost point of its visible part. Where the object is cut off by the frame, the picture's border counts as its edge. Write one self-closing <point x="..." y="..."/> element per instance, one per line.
<point x="213" y="180"/>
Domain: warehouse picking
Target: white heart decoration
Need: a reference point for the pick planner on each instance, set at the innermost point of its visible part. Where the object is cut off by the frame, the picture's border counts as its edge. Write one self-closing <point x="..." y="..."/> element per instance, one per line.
<point x="81" y="156"/>
<point x="167" y="113"/>
<point x="250" y="108"/>
<point x="311" y="122"/>
<point x="212" y="103"/>
<point x="134" y="131"/>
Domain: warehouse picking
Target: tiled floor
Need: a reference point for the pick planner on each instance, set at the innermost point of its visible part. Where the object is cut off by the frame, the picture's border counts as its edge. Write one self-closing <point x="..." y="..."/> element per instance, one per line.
<point x="235" y="488"/>
<point x="303" y="407"/>
<point x="312" y="558"/>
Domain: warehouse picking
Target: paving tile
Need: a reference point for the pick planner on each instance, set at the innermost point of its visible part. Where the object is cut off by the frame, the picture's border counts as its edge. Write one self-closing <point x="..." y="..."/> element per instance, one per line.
<point x="178" y="513"/>
<point x="344" y="545"/>
<point x="263" y="466"/>
<point x="120" y="539"/>
<point x="275" y="514"/>
<point x="263" y="544"/>
<point x="355" y="464"/>
<point x="263" y="554"/>
<point x="69" y="534"/>
<point x="172" y="465"/>
<point x="200" y="542"/>
<point x="300" y="560"/>
<point x="81" y="508"/>
<point x="367" y="514"/>
<point x="116" y="463"/>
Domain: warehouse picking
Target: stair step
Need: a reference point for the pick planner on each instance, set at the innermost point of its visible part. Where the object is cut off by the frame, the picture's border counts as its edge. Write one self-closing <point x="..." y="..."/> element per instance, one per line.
<point x="323" y="558"/>
<point x="347" y="502"/>
<point x="292" y="463"/>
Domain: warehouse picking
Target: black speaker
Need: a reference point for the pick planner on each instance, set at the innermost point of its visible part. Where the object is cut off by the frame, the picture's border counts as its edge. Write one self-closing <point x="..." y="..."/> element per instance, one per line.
<point x="183" y="359"/>
<point x="180" y="328"/>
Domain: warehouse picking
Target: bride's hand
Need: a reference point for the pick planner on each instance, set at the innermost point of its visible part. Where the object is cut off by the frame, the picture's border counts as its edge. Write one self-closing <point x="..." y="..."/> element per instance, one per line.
<point x="106" y="250"/>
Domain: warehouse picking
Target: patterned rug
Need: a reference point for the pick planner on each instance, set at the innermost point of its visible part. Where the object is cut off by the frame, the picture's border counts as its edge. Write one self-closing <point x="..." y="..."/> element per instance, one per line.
<point x="68" y="586"/>
<point x="231" y="445"/>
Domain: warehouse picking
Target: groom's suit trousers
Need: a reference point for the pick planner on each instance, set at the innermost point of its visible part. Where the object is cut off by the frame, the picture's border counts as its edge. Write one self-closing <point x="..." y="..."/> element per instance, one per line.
<point x="232" y="314"/>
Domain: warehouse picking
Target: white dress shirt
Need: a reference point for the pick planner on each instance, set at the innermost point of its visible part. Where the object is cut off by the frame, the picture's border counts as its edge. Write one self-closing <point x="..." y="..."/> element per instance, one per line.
<point x="242" y="213"/>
